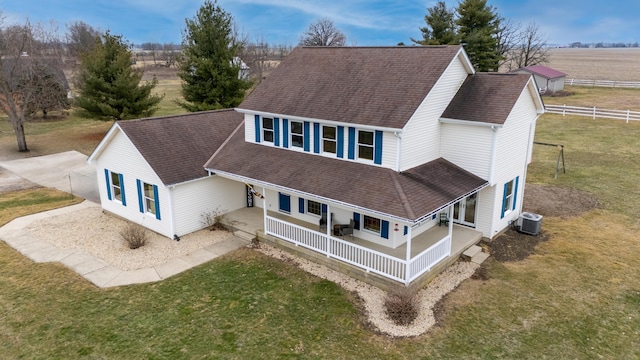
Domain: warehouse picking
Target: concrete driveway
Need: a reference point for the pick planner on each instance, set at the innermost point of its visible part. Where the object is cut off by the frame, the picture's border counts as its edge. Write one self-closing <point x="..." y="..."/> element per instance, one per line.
<point x="67" y="171"/>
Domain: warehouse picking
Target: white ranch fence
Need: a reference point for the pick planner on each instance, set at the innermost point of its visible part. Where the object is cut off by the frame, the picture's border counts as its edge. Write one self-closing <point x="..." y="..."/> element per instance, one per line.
<point x="593" y="112"/>
<point x="370" y="260"/>
<point x="603" y="83"/>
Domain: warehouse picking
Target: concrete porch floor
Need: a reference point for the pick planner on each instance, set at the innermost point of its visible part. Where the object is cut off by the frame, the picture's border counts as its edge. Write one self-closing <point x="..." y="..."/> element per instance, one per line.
<point x="250" y="220"/>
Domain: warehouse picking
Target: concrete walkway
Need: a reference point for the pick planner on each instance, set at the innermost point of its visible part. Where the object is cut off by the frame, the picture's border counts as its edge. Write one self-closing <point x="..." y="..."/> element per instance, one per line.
<point x="97" y="271"/>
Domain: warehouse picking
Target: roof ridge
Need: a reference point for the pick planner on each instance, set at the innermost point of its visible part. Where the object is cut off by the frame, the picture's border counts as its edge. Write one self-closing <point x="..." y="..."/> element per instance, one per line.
<point x="189" y="114"/>
<point x="403" y="196"/>
<point x="226" y="141"/>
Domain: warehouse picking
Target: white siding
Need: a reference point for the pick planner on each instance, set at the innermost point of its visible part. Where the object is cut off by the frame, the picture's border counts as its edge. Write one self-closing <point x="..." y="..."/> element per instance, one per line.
<point x="512" y="156"/>
<point x="192" y="199"/>
<point x="421" y="136"/>
<point x="249" y="128"/>
<point x="122" y="157"/>
<point x="468" y="147"/>
<point x="389" y="150"/>
<point x="484" y="213"/>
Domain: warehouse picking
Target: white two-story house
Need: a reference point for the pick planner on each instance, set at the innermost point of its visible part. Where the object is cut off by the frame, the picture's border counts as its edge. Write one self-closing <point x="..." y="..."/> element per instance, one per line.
<point x="389" y="159"/>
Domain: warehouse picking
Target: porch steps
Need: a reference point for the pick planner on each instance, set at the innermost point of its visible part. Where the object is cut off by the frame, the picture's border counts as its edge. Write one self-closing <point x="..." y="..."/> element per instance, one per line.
<point x="475" y="254"/>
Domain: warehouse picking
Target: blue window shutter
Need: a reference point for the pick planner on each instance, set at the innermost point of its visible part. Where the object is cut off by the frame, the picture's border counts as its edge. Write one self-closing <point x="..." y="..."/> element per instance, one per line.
<point x="356" y="220"/>
<point x="284" y="201"/>
<point x="316" y="138"/>
<point x="276" y="132"/>
<point x="157" y="201"/>
<point x="106" y="175"/>
<point x="406" y="230"/>
<point x="323" y="207"/>
<point x="352" y="143"/>
<point x="306" y="137"/>
<point x="515" y="193"/>
<point x="285" y="133"/>
<point x="340" y="150"/>
<point x="384" y="231"/>
<point x="301" y="205"/>
<point x="377" y="145"/>
<point x="124" y="199"/>
<point x="257" y="122"/>
<point x="504" y="199"/>
<point x="140" y="198"/>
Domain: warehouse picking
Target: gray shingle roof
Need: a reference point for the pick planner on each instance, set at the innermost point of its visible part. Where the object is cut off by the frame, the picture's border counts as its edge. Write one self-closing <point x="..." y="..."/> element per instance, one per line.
<point x="408" y="195"/>
<point x="176" y="147"/>
<point x="377" y="86"/>
<point x="487" y="97"/>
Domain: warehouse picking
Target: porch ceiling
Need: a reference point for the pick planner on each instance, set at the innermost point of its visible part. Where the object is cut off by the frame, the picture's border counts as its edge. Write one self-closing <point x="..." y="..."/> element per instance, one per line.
<point x="409" y="195"/>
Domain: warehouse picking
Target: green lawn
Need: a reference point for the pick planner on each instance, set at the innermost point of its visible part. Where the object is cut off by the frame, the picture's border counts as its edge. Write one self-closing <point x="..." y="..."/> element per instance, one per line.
<point x="577" y="297"/>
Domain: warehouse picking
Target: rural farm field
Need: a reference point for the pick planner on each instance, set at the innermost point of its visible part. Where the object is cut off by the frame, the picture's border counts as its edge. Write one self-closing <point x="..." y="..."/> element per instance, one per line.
<point x="620" y="64"/>
<point x="573" y="292"/>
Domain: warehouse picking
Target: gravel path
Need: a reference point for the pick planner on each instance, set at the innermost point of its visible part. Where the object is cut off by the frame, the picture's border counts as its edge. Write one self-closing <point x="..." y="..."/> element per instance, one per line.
<point x="98" y="234"/>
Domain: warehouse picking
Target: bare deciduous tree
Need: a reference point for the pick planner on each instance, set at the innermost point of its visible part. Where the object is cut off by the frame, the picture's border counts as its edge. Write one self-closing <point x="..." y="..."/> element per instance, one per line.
<point x="531" y="48"/>
<point x="323" y="32"/>
<point x="30" y="56"/>
<point x="81" y="37"/>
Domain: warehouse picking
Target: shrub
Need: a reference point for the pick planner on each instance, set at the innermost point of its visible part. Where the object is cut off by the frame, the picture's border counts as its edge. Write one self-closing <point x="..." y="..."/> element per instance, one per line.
<point x="401" y="305"/>
<point x="135" y="235"/>
<point x="212" y="220"/>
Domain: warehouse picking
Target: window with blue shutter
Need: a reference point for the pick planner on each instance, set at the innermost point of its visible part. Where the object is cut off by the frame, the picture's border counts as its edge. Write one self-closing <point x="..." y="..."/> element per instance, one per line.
<point x="377" y="147"/>
<point x="257" y="125"/>
<point x="340" y="142"/>
<point x="148" y="200"/>
<point x="124" y="198"/>
<point x="324" y="208"/>
<point x="515" y="193"/>
<point x="508" y="196"/>
<point x="351" y="144"/>
<point x="316" y="138"/>
<point x="285" y="133"/>
<point x="115" y="186"/>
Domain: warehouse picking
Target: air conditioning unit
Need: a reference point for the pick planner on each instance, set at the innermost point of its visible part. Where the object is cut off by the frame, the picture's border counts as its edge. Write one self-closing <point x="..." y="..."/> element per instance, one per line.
<point x="530" y="223"/>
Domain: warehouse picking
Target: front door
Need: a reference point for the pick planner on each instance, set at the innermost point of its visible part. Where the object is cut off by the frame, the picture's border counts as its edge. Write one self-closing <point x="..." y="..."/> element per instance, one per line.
<point x="464" y="212"/>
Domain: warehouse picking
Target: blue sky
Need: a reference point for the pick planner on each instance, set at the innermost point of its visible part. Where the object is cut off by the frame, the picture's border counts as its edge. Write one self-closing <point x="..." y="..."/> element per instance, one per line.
<point x="364" y="22"/>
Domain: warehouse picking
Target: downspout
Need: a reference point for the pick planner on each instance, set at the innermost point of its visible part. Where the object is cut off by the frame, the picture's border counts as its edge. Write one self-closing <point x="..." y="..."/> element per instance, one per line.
<point x="398" y="149"/>
<point x="494" y="146"/>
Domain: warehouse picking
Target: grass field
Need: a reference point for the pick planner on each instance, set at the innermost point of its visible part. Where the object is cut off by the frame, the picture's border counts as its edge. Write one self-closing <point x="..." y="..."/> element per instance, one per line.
<point x="604" y="98"/>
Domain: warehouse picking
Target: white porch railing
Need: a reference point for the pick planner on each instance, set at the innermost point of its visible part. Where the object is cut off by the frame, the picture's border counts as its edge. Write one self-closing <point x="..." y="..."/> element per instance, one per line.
<point x="431" y="256"/>
<point x="370" y="260"/>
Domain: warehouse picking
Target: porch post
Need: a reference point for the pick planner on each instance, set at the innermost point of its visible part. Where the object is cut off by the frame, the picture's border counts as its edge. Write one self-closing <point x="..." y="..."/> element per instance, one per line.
<point x="407" y="267"/>
<point x="264" y="208"/>
<point x="450" y="229"/>
<point x="329" y="228"/>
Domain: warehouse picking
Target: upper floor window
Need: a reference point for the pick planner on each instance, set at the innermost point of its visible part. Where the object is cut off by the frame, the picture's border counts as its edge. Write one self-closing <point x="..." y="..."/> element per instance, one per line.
<point x="365" y="145"/>
<point x="297" y="134"/>
<point x="329" y="139"/>
<point x="267" y="129"/>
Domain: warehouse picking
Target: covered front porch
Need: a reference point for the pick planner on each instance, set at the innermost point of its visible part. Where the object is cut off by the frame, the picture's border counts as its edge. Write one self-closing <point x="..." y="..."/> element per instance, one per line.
<point x="426" y="253"/>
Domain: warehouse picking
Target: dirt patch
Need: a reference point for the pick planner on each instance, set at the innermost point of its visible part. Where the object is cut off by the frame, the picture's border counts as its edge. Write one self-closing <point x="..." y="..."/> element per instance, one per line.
<point x="94" y="136"/>
<point x="557" y="201"/>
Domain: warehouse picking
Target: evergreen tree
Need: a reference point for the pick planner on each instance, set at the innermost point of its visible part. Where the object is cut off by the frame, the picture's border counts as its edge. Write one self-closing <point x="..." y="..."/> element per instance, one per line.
<point x="109" y="87"/>
<point x="441" y="26"/>
<point x="478" y="26"/>
<point x="209" y="65"/>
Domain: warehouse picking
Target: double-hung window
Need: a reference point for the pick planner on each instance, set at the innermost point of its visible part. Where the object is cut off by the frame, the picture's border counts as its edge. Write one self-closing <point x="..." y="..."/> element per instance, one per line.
<point x="148" y="199"/>
<point x="509" y="196"/>
<point x="329" y="139"/>
<point x="365" y="145"/>
<point x="267" y="129"/>
<point x="115" y="186"/>
<point x="297" y="134"/>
